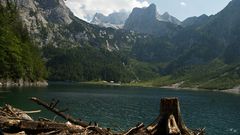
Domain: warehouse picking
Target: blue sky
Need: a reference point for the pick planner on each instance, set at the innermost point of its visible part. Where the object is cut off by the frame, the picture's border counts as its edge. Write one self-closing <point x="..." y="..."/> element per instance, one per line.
<point x="85" y="9"/>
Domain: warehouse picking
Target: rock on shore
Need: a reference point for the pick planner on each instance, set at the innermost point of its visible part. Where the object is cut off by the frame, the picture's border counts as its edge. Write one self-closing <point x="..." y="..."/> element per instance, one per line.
<point x="235" y="90"/>
<point x="22" y="83"/>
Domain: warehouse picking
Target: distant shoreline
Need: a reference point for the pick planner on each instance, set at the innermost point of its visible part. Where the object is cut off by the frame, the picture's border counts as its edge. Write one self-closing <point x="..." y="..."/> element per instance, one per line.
<point x="176" y="86"/>
<point x="231" y="91"/>
<point x="235" y="90"/>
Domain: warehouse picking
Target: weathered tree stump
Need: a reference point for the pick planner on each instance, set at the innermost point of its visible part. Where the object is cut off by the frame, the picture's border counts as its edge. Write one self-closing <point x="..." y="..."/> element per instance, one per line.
<point x="171" y="122"/>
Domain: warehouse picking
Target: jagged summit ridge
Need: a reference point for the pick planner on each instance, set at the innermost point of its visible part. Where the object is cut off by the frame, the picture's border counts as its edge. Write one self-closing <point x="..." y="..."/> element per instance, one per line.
<point x="118" y="19"/>
<point x="147" y="20"/>
<point x="166" y="17"/>
<point x="115" y="20"/>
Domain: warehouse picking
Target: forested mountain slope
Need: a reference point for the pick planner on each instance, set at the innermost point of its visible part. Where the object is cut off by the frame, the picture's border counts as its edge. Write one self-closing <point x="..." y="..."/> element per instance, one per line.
<point x="20" y="61"/>
<point x="199" y="52"/>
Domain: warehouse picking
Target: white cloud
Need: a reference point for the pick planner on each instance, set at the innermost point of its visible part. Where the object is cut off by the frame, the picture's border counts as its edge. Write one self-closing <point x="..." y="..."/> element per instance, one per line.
<point x="183" y="4"/>
<point x="85" y="9"/>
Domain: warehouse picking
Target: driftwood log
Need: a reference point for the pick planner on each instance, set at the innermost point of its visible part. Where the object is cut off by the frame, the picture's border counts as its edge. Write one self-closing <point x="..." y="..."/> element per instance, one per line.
<point x="16" y="121"/>
<point x="35" y="127"/>
<point x="59" y="112"/>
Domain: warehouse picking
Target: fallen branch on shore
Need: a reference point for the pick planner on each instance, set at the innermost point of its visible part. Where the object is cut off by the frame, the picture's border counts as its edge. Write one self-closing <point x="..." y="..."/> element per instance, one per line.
<point x="16" y="121"/>
<point x="61" y="113"/>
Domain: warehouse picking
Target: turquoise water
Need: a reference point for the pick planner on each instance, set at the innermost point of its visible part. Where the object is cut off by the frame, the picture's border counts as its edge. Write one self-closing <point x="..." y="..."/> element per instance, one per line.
<point x="123" y="107"/>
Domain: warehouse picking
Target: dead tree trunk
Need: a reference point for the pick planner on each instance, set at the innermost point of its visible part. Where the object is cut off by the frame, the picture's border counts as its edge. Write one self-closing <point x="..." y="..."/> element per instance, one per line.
<point x="171" y="122"/>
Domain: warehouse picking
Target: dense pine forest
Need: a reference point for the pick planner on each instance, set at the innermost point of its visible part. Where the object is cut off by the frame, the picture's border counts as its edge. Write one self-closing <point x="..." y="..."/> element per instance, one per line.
<point x="20" y="59"/>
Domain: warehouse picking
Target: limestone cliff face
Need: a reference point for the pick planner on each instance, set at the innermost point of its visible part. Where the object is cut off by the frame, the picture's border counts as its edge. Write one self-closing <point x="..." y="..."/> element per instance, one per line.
<point x="50" y="22"/>
<point x="54" y="11"/>
<point x="43" y="18"/>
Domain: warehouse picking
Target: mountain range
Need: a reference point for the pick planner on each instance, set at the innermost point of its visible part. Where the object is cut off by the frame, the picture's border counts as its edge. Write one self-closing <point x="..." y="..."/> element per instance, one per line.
<point x="115" y="20"/>
<point x="201" y="52"/>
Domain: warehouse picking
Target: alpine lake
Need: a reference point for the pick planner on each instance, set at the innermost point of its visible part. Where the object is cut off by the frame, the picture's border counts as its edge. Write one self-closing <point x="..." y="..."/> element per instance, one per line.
<point x="120" y="108"/>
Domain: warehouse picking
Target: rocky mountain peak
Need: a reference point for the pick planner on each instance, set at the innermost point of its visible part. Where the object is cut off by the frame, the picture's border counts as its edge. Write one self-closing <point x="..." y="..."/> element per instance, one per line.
<point x="98" y="16"/>
<point x="147" y="20"/>
<point x="152" y="7"/>
<point x="166" y="17"/>
<point x="148" y="14"/>
<point x="151" y="11"/>
<point x="115" y="20"/>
